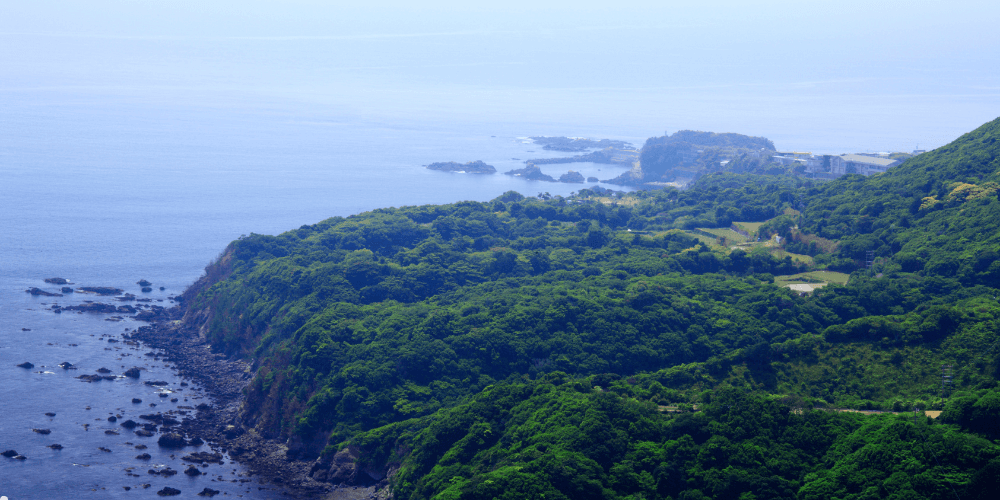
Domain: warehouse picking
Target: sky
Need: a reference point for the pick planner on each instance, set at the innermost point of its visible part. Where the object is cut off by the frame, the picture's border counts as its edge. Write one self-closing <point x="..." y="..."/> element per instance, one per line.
<point x="848" y="74"/>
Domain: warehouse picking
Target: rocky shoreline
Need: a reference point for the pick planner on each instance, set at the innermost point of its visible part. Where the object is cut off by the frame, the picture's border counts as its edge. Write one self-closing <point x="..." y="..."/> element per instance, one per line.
<point x="220" y="424"/>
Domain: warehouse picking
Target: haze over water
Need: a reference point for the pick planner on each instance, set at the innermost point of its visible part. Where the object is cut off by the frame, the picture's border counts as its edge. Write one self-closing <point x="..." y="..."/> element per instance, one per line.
<point x="138" y="138"/>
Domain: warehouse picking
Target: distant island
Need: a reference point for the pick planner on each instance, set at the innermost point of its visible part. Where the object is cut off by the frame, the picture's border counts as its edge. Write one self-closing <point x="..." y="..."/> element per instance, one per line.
<point x="575" y="144"/>
<point x="472" y="167"/>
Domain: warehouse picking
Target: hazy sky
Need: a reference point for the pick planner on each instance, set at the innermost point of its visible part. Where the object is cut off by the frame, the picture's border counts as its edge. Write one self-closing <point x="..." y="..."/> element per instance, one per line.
<point x="889" y="74"/>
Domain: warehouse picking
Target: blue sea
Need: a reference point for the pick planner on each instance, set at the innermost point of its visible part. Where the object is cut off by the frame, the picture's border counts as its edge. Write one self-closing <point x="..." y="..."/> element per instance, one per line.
<point x="126" y="156"/>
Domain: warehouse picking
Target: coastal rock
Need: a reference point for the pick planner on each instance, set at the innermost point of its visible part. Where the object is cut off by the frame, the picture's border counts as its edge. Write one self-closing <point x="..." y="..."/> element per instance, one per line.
<point x="171" y="440"/>
<point x="129" y="424"/>
<point x="55" y="446"/>
<point x="196" y="441"/>
<point x="105" y="450"/>
<point x="168" y="492"/>
<point x="38" y="291"/>
<point x="92" y="307"/>
<point x="592" y="179"/>
<point x="112" y="419"/>
<point x="26" y="365"/>
<point x="202" y="457"/>
<point x="103" y="370"/>
<point x="530" y="172"/>
<point x="136" y="400"/>
<point x="42" y="431"/>
<point x="571" y="176"/>
<point x="143" y="433"/>
<point x="208" y="492"/>
<point x="56" y="281"/>
<point x="472" y="167"/>
<point x="49" y="414"/>
<point x="147" y="289"/>
<point x="143" y="283"/>
<point x="10" y="453"/>
<point x="100" y="290"/>
<point x="342" y="468"/>
<point x="65" y="365"/>
<point x="67" y="289"/>
<point x="133" y="373"/>
<point x="144" y="456"/>
<point x="20" y="457"/>
<point x="574" y="144"/>
<point x="192" y="471"/>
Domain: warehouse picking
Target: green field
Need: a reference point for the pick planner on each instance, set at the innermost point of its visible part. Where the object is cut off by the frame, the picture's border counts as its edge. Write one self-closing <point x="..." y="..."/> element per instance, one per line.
<point x="732" y="237"/>
<point x="812" y="277"/>
<point x="750" y="227"/>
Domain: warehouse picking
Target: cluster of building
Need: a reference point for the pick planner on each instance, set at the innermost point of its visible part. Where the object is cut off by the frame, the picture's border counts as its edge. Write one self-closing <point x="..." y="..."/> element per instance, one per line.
<point x="837" y="165"/>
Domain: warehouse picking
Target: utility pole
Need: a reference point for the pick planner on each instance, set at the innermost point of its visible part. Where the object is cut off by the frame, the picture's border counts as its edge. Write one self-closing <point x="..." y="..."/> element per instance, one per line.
<point x="946" y="380"/>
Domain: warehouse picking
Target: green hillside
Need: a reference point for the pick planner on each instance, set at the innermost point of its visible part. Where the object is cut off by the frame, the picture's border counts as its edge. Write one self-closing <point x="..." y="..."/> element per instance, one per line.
<point x="559" y="348"/>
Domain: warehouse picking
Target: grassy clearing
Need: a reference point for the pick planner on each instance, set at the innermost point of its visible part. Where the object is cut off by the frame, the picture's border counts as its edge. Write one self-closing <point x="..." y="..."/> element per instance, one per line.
<point x="750" y="227"/>
<point x="627" y="201"/>
<point x="812" y="277"/>
<point x="732" y="237"/>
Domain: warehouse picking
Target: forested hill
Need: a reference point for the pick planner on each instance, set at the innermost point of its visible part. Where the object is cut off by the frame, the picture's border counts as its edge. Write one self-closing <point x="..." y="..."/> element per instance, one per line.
<point x="637" y="346"/>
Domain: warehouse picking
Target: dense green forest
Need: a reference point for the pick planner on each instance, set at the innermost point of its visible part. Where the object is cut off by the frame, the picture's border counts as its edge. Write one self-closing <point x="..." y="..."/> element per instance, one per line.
<point x="640" y="345"/>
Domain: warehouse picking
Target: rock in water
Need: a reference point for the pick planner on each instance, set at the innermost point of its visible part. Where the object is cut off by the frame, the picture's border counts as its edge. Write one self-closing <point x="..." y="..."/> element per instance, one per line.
<point x="129" y="424"/>
<point x="571" y="176"/>
<point x="26" y="365"/>
<point x="136" y="400"/>
<point x="168" y="492"/>
<point x="144" y="456"/>
<point x="208" y="492"/>
<point x="10" y="453"/>
<point x="171" y="440"/>
<point x="56" y="281"/>
<point x="192" y="471"/>
<point x="143" y="283"/>
<point x="56" y="446"/>
<point x="133" y="373"/>
<point x="472" y="167"/>
<point x="42" y="431"/>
